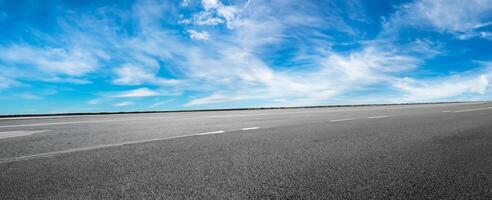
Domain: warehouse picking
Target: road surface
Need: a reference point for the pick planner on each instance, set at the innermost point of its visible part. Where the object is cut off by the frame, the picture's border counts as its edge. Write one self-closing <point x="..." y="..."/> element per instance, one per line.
<point x="429" y="151"/>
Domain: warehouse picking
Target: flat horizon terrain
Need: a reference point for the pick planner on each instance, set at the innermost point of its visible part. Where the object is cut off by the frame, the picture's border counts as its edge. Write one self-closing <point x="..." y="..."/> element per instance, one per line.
<point x="422" y="151"/>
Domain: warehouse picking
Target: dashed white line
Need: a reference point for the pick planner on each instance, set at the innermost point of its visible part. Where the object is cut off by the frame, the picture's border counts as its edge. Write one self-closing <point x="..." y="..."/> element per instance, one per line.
<point x="47" y="117"/>
<point x="208" y="133"/>
<point x="250" y="128"/>
<point x="80" y="122"/>
<point x="378" y="117"/>
<point x="48" y="154"/>
<point x="446" y="111"/>
<point x="476" y="109"/>
<point x="11" y="134"/>
<point x="341" y="120"/>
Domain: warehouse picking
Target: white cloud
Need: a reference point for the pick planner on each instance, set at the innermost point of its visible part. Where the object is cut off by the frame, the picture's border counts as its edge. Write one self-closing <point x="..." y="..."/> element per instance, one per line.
<point x="55" y="61"/>
<point x="216" y="13"/>
<point x="28" y="96"/>
<point x="160" y="103"/>
<point x="185" y="3"/>
<point x="215" y="98"/>
<point x="6" y="82"/>
<point x="370" y="64"/>
<point x="196" y="35"/>
<point x="124" y="104"/>
<point x="94" y="101"/>
<point x="205" y="19"/>
<point x="486" y="35"/>
<point x="481" y="34"/>
<point x="211" y="4"/>
<point x="454" y="16"/>
<point x="421" y="90"/>
<point x="141" y="92"/>
<point x="337" y="74"/>
<point x="134" y="74"/>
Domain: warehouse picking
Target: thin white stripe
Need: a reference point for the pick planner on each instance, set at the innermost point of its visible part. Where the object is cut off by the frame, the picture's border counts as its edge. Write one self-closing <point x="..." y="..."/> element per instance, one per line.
<point x="11" y="134"/>
<point x="50" y="117"/>
<point x="378" y="117"/>
<point x="250" y="128"/>
<point x="476" y="109"/>
<point x="340" y="120"/>
<point x="209" y="133"/>
<point x="48" y="154"/>
<point x="81" y="122"/>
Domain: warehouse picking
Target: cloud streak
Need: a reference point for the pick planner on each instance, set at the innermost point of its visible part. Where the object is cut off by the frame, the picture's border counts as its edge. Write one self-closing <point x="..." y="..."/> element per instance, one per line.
<point x="141" y="92"/>
<point x="461" y="18"/>
<point x="124" y="104"/>
<point x="198" y="35"/>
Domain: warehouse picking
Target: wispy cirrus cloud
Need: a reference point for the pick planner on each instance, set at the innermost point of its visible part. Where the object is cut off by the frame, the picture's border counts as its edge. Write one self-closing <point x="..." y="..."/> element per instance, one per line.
<point x="337" y="74"/>
<point x="460" y="86"/>
<point x="425" y="90"/>
<point x="161" y="103"/>
<point x="141" y="92"/>
<point x="124" y="104"/>
<point x="134" y="74"/>
<point x="461" y="18"/>
<point x="52" y="63"/>
<point x="215" y="13"/>
<point x="196" y="35"/>
<point x="6" y="82"/>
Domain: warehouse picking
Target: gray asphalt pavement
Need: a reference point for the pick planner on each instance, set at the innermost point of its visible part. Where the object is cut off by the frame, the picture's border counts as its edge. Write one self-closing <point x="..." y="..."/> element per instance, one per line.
<point x="430" y="151"/>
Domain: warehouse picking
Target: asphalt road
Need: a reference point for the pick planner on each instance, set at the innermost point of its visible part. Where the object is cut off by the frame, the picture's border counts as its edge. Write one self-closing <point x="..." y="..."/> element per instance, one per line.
<point x="433" y="151"/>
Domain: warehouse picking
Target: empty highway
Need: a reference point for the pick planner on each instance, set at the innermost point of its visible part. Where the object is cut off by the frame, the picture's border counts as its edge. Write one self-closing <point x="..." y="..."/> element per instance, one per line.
<point x="426" y="151"/>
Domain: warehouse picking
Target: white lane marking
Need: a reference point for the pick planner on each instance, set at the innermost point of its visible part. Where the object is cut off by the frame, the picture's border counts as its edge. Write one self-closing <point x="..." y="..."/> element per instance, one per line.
<point x="81" y="122"/>
<point x="446" y="111"/>
<point x="341" y="120"/>
<point x="476" y="109"/>
<point x="378" y="117"/>
<point x="210" y="133"/>
<point x="250" y="128"/>
<point x="46" y="117"/>
<point x="217" y="116"/>
<point x="48" y="154"/>
<point x="144" y="119"/>
<point x="11" y="134"/>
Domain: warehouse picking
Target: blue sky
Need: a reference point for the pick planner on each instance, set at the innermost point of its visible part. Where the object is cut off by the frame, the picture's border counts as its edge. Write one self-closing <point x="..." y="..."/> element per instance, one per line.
<point x="82" y="56"/>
